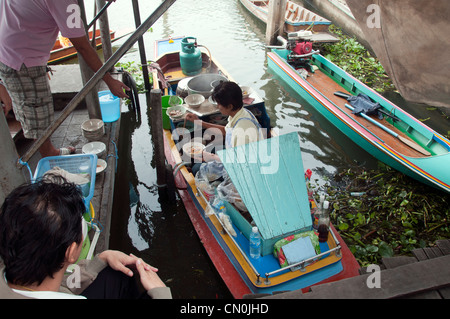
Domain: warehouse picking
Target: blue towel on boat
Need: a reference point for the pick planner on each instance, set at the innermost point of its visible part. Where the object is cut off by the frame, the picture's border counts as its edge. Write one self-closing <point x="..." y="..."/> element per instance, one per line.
<point x="363" y="104"/>
<point x="298" y="250"/>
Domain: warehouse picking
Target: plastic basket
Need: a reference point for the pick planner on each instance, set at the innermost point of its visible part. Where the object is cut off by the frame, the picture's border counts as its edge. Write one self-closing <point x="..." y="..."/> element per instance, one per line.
<point x="75" y="164"/>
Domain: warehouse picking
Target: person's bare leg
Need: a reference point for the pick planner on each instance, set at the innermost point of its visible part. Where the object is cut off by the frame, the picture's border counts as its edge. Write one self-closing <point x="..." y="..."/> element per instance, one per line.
<point x="47" y="149"/>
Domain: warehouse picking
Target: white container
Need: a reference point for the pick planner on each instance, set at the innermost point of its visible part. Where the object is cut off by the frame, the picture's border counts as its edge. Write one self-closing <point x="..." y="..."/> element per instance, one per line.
<point x="93" y="129"/>
<point x="97" y="148"/>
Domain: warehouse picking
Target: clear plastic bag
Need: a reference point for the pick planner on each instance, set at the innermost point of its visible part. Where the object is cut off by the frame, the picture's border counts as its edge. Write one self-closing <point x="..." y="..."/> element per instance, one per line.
<point x="228" y="192"/>
<point x="207" y="178"/>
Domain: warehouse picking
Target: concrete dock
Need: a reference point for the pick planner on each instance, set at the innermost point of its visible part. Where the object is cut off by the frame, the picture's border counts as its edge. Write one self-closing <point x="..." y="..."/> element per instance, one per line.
<point x="65" y="83"/>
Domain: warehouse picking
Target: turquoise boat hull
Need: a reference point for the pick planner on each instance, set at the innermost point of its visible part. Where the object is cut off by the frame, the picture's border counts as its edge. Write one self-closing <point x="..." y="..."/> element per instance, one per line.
<point x="433" y="170"/>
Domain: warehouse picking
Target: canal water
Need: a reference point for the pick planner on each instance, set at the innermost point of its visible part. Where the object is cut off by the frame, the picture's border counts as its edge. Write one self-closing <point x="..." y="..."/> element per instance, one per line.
<point x="160" y="231"/>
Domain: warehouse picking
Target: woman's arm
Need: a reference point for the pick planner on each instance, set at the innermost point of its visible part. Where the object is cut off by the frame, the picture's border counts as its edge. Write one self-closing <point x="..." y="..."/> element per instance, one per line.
<point x="194" y="118"/>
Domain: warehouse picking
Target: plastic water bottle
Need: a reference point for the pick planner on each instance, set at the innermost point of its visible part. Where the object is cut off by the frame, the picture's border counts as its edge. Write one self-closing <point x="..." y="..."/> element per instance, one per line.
<point x="255" y="243"/>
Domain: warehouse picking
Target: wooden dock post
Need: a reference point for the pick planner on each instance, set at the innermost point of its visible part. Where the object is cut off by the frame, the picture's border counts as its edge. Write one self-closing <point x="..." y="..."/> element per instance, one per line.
<point x="11" y="175"/>
<point x="91" y="98"/>
<point x="137" y="20"/>
<point x="275" y="20"/>
<point x="158" y="139"/>
<point x="104" y="32"/>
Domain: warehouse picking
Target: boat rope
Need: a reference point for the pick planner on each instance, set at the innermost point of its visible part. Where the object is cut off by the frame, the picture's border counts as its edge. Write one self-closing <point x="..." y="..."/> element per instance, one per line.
<point x="28" y="167"/>
<point x="116" y="156"/>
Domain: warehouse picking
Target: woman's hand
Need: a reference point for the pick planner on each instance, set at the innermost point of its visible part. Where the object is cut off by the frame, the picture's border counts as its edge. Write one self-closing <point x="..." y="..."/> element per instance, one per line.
<point x="191" y="117"/>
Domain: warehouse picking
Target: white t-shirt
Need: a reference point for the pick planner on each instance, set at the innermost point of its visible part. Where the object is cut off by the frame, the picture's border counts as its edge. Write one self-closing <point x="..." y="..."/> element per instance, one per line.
<point x="28" y="29"/>
<point x="243" y="128"/>
<point x="45" y="294"/>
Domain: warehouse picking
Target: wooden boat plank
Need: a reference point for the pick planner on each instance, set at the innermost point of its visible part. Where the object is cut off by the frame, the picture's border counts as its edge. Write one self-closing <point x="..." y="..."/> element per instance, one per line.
<point x="296" y="17"/>
<point x="327" y="86"/>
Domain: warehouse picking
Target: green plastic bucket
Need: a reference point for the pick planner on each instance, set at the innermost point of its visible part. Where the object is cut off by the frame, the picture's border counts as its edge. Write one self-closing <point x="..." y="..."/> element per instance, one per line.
<point x="165" y="105"/>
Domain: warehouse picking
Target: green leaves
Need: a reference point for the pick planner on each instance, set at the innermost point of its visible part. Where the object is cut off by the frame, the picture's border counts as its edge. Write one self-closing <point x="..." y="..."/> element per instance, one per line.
<point x="352" y="57"/>
<point x="394" y="216"/>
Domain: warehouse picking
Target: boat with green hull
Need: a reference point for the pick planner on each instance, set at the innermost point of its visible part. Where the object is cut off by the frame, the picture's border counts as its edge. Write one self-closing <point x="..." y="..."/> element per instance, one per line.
<point x="394" y="137"/>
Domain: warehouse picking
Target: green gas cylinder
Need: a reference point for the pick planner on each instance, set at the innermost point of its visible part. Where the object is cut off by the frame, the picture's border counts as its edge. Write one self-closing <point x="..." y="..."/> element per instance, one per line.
<point x="190" y="56"/>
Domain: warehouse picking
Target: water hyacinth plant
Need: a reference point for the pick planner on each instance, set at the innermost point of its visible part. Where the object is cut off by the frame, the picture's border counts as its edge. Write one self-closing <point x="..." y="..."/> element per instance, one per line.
<point x="385" y="213"/>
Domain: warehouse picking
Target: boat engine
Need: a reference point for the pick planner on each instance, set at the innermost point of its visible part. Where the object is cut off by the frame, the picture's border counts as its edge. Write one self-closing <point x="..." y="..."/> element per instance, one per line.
<point x="302" y="48"/>
<point x="301" y="51"/>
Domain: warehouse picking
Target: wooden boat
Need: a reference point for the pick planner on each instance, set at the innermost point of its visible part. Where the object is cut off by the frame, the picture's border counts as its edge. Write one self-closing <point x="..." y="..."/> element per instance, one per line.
<point x="410" y="147"/>
<point x="230" y="255"/>
<point x="297" y="18"/>
<point x="64" y="51"/>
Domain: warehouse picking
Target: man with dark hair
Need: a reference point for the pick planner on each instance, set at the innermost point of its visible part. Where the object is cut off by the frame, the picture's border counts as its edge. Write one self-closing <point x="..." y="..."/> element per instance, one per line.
<point x="41" y="235"/>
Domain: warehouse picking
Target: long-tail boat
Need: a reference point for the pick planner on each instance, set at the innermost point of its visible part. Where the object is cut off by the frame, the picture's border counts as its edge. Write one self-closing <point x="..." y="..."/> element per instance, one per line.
<point x="278" y="203"/>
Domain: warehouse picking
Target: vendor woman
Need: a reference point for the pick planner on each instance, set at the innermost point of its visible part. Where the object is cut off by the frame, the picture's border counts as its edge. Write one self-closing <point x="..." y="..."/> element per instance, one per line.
<point x="242" y="127"/>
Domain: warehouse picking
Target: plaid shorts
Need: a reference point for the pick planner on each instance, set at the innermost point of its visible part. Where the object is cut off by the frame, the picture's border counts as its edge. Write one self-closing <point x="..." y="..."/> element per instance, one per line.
<point x="31" y="96"/>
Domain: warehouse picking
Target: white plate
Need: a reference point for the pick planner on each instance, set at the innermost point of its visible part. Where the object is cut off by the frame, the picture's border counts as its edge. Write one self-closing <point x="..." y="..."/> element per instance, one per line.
<point x="97" y="148"/>
<point x="101" y="165"/>
<point x="193" y="148"/>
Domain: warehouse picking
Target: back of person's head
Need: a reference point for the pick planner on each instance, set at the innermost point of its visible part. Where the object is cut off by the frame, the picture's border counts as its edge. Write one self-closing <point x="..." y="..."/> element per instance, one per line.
<point x="227" y="93"/>
<point x="38" y="222"/>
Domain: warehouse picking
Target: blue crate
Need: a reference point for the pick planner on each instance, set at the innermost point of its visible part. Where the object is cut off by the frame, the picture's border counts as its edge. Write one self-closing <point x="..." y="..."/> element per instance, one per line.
<point x="75" y="164"/>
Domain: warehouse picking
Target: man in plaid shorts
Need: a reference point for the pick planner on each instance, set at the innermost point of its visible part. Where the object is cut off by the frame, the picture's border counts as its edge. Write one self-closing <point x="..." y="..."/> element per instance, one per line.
<point x="28" y="31"/>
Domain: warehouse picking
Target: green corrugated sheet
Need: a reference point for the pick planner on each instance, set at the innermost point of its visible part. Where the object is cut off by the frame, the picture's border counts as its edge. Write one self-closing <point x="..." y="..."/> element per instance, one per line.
<point x="269" y="176"/>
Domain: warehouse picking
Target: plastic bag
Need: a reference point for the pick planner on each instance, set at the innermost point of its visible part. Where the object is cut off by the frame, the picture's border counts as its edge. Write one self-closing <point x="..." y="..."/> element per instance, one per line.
<point x="278" y="246"/>
<point x="228" y="192"/>
<point x="207" y="178"/>
<point x="212" y="171"/>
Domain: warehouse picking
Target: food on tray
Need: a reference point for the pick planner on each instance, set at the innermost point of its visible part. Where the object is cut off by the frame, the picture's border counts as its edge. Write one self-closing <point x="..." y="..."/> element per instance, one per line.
<point x="175" y="113"/>
<point x="195" y="149"/>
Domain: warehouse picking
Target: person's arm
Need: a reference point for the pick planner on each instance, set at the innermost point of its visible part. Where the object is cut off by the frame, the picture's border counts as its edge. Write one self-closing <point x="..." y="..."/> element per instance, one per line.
<point x="151" y="282"/>
<point x="83" y="47"/>
<point x="5" y="99"/>
<point x="194" y="118"/>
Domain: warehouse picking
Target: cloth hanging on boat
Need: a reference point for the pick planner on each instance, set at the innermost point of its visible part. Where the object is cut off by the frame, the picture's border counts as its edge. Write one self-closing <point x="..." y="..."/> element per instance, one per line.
<point x="155" y="67"/>
<point x="363" y="104"/>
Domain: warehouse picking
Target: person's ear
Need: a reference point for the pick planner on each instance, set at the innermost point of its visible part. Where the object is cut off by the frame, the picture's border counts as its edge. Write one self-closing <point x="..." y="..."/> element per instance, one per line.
<point x="72" y="253"/>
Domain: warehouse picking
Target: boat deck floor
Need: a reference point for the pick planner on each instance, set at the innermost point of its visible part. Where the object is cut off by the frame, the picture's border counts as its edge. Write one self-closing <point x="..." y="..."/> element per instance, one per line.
<point x="327" y="86"/>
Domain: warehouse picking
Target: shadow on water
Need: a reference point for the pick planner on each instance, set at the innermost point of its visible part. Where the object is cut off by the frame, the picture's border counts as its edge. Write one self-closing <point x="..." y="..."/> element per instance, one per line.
<point x="151" y="226"/>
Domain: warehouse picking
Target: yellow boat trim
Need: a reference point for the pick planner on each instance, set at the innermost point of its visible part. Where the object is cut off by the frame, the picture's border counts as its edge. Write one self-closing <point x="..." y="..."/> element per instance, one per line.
<point x="277" y="279"/>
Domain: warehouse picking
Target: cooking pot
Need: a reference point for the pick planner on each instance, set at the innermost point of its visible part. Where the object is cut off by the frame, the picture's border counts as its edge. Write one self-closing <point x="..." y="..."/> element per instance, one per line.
<point x="182" y="90"/>
<point x="201" y="84"/>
